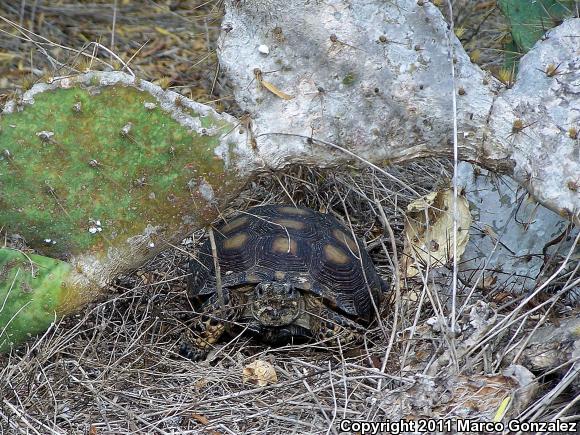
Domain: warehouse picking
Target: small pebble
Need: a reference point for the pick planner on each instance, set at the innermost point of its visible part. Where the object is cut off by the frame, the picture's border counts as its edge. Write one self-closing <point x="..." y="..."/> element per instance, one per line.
<point x="126" y="129"/>
<point x="45" y="135"/>
<point x="264" y="49"/>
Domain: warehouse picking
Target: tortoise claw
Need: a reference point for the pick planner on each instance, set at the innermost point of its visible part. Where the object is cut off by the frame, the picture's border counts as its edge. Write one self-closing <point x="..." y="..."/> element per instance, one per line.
<point x="192" y="352"/>
<point x="333" y="325"/>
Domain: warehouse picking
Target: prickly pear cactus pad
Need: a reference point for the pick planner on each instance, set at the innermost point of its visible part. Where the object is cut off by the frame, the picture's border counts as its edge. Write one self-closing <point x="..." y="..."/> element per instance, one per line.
<point x="89" y="162"/>
<point x="101" y="170"/>
<point x="24" y="309"/>
<point x="530" y="19"/>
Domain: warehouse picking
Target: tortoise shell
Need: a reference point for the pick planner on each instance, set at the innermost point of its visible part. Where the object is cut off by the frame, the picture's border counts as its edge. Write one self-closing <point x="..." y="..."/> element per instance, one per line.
<point x="311" y="250"/>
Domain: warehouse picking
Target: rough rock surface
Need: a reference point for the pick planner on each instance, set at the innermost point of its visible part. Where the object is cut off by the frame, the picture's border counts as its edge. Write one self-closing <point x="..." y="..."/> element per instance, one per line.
<point x="374" y="78"/>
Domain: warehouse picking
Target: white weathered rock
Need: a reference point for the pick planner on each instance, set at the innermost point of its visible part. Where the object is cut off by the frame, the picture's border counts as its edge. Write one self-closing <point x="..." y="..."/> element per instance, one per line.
<point x="513" y="240"/>
<point x="374" y="77"/>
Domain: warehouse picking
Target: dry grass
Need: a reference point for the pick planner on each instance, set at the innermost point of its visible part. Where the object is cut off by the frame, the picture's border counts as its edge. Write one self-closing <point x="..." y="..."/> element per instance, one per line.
<point x="165" y="41"/>
<point x="115" y="367"/>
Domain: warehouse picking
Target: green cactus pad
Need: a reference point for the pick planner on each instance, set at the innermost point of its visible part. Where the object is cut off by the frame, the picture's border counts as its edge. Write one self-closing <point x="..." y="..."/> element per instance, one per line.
<point x="101" y="170"/>
<point x="530" y="19"/>
<point x="34" y="291"/>
<point x="86" y="168"/>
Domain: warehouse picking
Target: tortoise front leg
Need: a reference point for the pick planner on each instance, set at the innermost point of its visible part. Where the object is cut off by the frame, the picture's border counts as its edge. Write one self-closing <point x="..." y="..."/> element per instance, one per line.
<point x="332" y="325"/>
<point x="210" y="327"/>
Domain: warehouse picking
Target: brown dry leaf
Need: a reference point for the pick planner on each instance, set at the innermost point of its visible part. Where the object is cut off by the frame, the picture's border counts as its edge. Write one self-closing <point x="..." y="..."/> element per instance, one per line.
<point x="502" y="297"/>
<point x="410" y="296"/>
<point x="375" y="361"/>
<point x="487" y="283"/>
<point x="147" y="277"/>
<point x="93" y="430"/>
<point x="485" y="5"/>
<point x="200" y="418"/>
<point x="433" y="242"/>
<point x="200" y="383"/>
<point x="275" y="90"/>
<point x="260" y="372"/>
<point x="481" y="397"/>
<point x="269" y="86"/>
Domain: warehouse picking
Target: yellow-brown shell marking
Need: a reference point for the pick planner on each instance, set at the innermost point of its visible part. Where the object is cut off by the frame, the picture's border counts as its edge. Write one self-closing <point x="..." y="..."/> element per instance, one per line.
<point x="334" y="254"/>
<point x="236" y="241"/>
<point x="294" y="211"/>
<point x="290" y="223"/>
<point x="253" y="277"/>
<point x="280" y="246"/>
<point x="234" y="225"/>
<point x="345" y="240"/>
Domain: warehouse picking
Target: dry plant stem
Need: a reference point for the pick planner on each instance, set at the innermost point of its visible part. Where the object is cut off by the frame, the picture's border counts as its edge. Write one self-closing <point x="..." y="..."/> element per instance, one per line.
<point x="24" y="419"/>
<point x="165" y="391"/>
<point x="351" y="156"/>
<point x="131" y="361"/>
<point x="504" y="323"/>
<point x="397" y="283"/>
<point x="357" y="254"/>
<point x="93" y="264"/>
<point x="393" y="102"/>
<point x="530" y="334"/>
<point x="129" y="413"/>
<point x="403" y="112"/>
<point x="232" y="341"/>
<point x="335" y="407"/>
<point x="509" y="345"/>
<point x="505" y="328"/>
<point x="569" y="406"/>
<point x="561" y="366"/>
<point x="216" y="264"/>
<point x="480" y="273"/>
<point x="572" y="274"/>
<point x="539" y="406"/>
<point x="342" y="367"/>
<point x="455" y="162"/>
<point x="113" y="26"/>
<point x="330" y="426"/>
<point x="27" y="35"/>
<point x="437" y="306"/>
<point x="414" y="326"/>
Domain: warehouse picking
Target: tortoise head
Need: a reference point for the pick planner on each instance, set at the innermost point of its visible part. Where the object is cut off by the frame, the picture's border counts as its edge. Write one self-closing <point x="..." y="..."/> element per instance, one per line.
<point x="276" y="303"/>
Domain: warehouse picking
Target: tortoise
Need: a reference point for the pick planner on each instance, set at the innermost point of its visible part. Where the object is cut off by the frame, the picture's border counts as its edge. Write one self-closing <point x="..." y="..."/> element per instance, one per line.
<point x="286" y="273"/>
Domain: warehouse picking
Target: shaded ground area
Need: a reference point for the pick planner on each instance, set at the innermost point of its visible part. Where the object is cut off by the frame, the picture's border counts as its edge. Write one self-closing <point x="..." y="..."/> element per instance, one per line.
<point x="170" y="42"/>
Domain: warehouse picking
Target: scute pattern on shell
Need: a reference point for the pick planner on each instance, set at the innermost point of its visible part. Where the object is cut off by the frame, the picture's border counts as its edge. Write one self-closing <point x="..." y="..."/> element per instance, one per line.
<point x="313" y="250"/>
